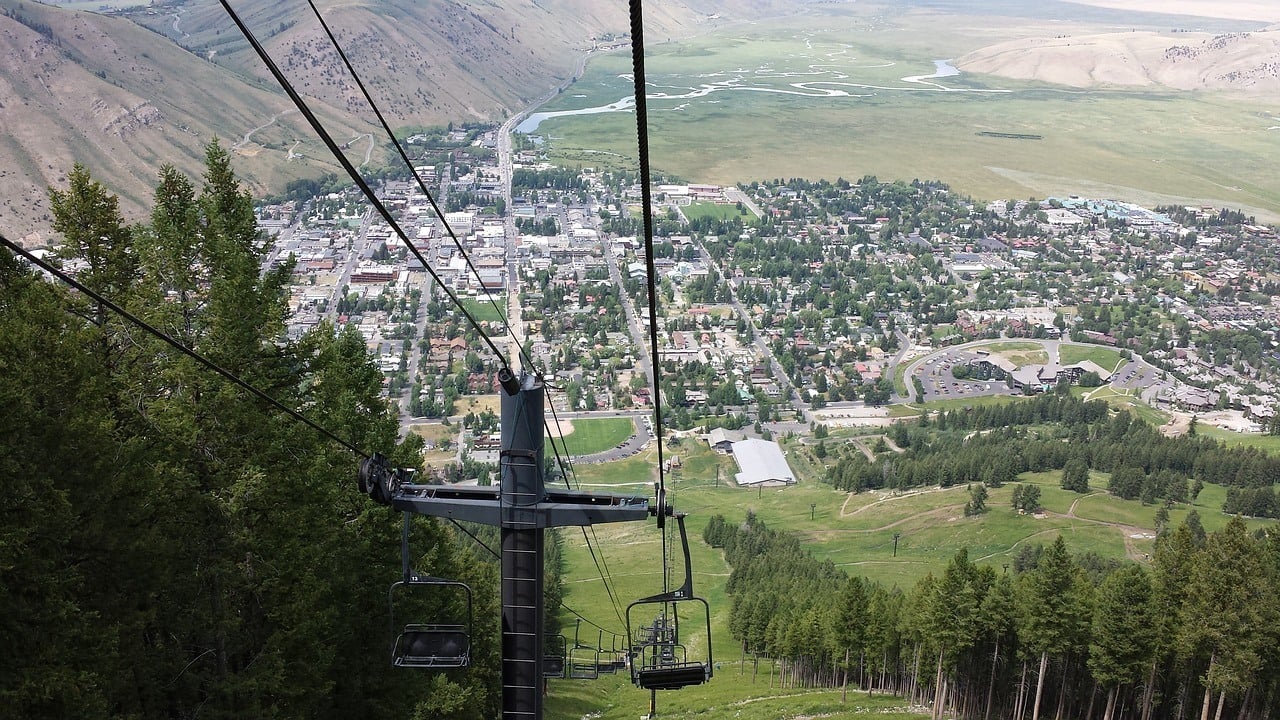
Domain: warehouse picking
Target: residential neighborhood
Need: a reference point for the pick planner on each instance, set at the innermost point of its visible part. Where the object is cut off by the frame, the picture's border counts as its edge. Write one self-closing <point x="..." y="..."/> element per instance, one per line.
<point x="781" y="303"/>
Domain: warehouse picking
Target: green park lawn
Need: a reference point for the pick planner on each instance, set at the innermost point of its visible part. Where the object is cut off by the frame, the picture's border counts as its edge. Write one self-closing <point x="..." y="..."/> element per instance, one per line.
<point x="597" y="435"/>
<point x="718" y="211"/>
<point x="483" y="310"/>
<point x="1105" y="357"/>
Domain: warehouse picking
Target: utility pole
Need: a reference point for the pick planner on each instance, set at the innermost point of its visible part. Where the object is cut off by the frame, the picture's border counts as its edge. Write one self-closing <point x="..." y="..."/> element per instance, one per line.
<point x="523" y="508"/>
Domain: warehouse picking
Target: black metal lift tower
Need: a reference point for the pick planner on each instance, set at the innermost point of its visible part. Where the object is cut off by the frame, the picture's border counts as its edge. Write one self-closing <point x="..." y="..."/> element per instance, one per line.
<point x="523" y="507"/>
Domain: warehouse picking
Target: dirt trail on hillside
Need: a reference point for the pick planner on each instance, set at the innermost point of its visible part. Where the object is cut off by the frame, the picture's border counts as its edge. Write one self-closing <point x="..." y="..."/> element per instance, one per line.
<point x="938" y="512"/>
<point x="844" y="512"/>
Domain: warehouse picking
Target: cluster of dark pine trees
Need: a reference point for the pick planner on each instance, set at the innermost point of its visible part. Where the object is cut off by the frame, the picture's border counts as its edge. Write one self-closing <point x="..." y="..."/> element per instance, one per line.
<point x="1193" y="635"/>
<point x="169" y="545"/>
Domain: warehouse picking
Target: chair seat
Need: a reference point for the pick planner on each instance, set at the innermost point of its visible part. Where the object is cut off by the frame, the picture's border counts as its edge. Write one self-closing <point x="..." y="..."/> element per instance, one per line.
<point x="671" y="677"/>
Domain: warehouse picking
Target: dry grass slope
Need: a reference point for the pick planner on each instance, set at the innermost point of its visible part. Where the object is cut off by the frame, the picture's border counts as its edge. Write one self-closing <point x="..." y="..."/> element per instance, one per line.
<point x="1248" y="62"/>
<point x="79" y="87"/>
<point x="126" y="97"/>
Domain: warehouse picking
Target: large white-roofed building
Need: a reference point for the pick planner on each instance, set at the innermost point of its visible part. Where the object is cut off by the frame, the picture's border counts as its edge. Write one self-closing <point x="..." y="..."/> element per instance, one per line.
<point x="761" y="462"/>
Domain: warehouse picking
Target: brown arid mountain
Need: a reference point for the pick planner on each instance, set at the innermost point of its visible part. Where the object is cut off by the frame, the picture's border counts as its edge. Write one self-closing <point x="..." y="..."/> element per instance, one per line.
<point x="124" y="94"/>
<point x="105" y="92"/>
<point x="1247" y="62"/>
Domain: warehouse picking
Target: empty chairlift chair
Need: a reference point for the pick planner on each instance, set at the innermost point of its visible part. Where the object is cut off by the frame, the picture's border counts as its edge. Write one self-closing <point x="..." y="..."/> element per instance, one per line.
<point x="583" y="664"/>
<point x="658" y="659"/>
<point x="604" y="661"/>
<point x="555" y="651"/>
<point x="440" y="644"/>
<point x="584" y="660"/>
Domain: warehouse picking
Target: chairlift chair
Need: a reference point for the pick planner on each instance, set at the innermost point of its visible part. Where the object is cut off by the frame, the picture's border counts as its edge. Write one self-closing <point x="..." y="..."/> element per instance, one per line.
<point x="658" y="660"/>
<point x="605" y="664"/>
<point x="619" y="655"/>
<point x="554" y="654"/>
<point x="584" y="660"/>
<point x="432" y="645"/>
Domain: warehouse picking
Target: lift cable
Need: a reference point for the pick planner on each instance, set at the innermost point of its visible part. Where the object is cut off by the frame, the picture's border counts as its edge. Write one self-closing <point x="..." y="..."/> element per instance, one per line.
<point x="496" y="554"/>
<point x="359" y="180"/>
<point x="414" y="171"/>
<point x="378" y="205"/>
<point x="168" y="339"/>
<point x="373" y="105"/>
<point x="642" y="139"/>
<point x="567" y="469"/>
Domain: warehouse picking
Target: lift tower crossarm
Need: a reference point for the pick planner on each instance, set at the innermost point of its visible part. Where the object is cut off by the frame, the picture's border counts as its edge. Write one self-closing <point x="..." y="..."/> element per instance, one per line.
<point x="523" y="508"/>
<point x="558" y="508"/>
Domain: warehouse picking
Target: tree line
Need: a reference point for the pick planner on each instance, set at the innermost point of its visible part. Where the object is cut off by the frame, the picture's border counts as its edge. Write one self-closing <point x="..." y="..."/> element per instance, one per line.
<point x="171" y="546"/>
<point x="1191" y="635"/>
<point x="994" y="444"/>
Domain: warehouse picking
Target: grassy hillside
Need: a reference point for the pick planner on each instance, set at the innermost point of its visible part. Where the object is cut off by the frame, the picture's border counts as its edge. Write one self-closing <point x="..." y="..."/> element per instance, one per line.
<point x="854" y="531"/>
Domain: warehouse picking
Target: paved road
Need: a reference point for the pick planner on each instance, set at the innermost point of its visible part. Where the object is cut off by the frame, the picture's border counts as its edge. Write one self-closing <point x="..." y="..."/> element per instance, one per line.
<point x="506" y="168"/>
<point x="733" y="194"/>
<point x="638" y="336"/>
<point x="757" y="338"/>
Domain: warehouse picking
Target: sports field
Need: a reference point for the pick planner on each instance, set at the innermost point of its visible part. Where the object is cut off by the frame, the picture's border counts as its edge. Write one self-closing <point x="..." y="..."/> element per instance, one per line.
<point x="874" y="94"/>
<point x="596" y="435"/>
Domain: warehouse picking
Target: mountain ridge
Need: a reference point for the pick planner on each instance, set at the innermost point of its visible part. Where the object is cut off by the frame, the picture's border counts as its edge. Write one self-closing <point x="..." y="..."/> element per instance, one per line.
<point x="126" y="94"/>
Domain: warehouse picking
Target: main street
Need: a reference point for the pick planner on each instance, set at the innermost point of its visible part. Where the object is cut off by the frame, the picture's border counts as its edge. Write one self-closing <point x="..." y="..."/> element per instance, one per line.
<point x="506" y="170"/>
<point x="638" y="337"/>
<point x="757" y="339"/>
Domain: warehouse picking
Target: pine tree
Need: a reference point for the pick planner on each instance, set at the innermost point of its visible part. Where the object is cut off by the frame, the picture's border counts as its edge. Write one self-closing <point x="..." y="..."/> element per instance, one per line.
<point x="1075" y="475"/>
<point x="950" y="612"/>
<point x="1228" y="610"/>
<point x="1124" y="632"/>
<point x="94" y="233"/>
<point x="998" y="622"/>
<point x="1054" y="610"/>
<point x="56" y="429"/>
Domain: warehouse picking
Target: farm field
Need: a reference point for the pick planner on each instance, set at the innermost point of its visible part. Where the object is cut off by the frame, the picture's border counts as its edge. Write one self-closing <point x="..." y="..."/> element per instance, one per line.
<point x="855" y="532"/>
<point x="854" y="93"/>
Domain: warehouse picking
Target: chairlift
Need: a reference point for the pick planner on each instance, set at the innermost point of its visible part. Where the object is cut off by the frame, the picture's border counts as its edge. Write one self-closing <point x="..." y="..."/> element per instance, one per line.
<point x="433" y="645"/>
<point x="605" y="660"/>
<point x="658" y="660"/>
<point x="555" y="651"/>
<point x="619" y="655"/>
<point x="584" y="660"/>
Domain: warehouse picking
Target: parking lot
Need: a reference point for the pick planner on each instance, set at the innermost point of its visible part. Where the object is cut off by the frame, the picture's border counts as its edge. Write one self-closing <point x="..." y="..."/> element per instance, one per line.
<point x="939" y="382"/>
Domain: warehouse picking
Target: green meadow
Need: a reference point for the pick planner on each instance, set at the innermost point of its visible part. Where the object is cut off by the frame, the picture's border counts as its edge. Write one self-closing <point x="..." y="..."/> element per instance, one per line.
<point x="826" y="97"/>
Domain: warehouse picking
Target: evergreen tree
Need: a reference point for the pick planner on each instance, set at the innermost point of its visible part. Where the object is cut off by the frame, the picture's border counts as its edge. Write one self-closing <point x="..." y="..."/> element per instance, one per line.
<point x="204" y="554"/>
<point x="1075" y="475"/>
<point x="1124" y="632"/>
<point x="1054" y="612"/>
<point x="1228" y="610"/>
